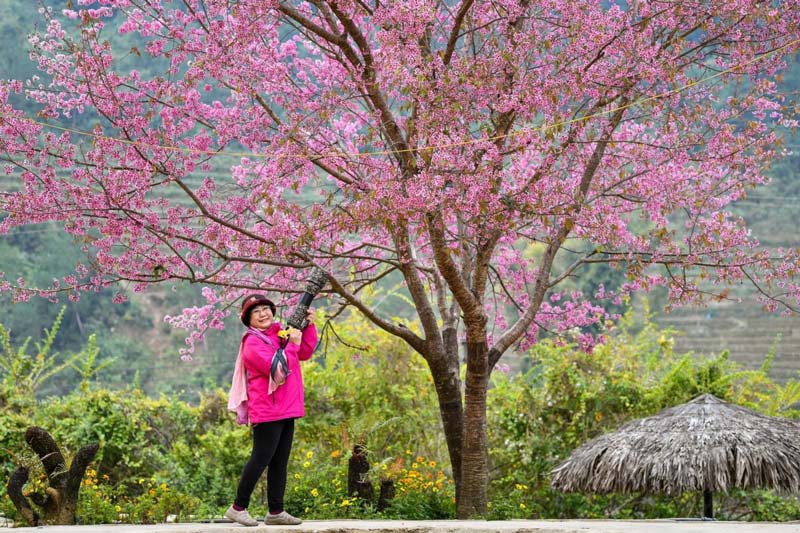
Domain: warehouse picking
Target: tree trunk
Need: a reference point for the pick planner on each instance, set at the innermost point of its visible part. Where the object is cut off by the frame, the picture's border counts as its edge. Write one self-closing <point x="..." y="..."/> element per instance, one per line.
<point x="446" y="379"/>
<point x="60" y="500"/>
<point x="475" y="467"/>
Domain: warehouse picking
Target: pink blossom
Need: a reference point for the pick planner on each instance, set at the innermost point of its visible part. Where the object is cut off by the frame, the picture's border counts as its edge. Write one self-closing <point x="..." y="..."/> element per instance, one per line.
<point x="485" y="172"/>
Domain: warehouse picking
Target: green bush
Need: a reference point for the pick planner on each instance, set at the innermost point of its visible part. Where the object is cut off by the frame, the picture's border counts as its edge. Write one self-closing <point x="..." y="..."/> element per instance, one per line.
<point x="163" y="456"/>
<point x="568" y="397"/>
<point x="364" y="386"/>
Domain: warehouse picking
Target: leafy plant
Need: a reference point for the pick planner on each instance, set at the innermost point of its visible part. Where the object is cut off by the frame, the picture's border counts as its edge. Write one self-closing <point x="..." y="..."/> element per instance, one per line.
<point x="24" y="373"/>
<point x="569" y="396"/>
<point x="163" y="456"/>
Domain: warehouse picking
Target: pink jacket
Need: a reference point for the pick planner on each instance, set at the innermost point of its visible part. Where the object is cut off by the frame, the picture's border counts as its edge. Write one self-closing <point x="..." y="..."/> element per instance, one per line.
<point x="255" y="360"/>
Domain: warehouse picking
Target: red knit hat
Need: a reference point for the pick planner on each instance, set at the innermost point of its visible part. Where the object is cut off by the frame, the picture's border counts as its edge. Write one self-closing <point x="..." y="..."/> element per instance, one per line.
<point x="250" y="302"/>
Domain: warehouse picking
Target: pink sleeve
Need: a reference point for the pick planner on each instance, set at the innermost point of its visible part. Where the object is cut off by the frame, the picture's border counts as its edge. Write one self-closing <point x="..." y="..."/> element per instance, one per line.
<point x="257" y="356"/>
<point x="308" y="343"/>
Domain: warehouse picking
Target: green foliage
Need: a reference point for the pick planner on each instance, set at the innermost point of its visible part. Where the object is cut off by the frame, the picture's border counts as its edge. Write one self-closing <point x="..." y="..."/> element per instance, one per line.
<point x="209" y="463"/>
<point x="569" y="397"/>
<point x="153" y="502"/>
<point x="162" y="456"/>
<point x="367" y="387"/>
<point x="424" y="490"/>
<point x="88" y="364"/>
<point x="320" y="483"/>
<point x="135" y="342"/>
<point x="318" y="487"/>
<point x="23" y="373"/>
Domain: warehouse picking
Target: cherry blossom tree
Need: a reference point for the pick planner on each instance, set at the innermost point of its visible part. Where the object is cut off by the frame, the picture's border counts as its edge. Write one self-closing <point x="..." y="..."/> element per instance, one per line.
<point x="481" y="152"/>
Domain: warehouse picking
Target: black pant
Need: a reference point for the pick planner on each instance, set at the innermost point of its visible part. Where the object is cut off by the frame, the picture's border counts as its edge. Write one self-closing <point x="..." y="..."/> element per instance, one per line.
<point x="272" y="442"/>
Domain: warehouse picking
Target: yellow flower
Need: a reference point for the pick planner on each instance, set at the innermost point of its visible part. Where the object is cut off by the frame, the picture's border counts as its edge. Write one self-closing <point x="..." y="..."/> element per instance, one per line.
<point x="335" y="453"/>
<point x="522" y="506"/>
<point x="415" y="466"/>
<point x="432" y="464"/>
<point x="117" y="508"/>
<point x="164" y="486"/>
<point x="309" y="455"/>
<point x="314" y="492"/>
<point x="520" y="486"/>
<point x="408" y="452"/>
<point x="306" y="464"/>
<point x="420" y="459"/>
<point x="345" y="503"/>
<point x="297" y="476"/>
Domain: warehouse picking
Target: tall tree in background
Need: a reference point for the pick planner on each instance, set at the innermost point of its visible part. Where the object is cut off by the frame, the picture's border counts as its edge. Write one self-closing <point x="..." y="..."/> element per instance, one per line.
<point x="484" y="151"/>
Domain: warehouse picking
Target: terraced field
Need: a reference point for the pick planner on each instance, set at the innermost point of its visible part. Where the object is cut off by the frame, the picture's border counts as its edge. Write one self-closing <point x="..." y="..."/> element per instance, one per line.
<point x="747" y="332"/>
<point x="773" y="214"/>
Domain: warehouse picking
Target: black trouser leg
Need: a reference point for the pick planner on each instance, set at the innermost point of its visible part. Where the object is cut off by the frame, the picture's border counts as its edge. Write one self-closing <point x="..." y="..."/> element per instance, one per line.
<point x="269" y="441"/>
<point x="277" y="471"/>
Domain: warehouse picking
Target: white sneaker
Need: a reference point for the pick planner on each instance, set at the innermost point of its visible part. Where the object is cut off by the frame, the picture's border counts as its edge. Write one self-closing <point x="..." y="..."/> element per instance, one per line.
<point x="241" y="517"/>
<point x="281" y="519"/>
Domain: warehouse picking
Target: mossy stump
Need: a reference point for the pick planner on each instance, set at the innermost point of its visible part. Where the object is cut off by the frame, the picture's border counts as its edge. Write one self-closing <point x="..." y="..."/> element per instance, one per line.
<point x="59" y="502"/>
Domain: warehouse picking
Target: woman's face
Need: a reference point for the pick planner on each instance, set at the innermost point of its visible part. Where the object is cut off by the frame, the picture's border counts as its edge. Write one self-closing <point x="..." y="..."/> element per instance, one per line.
<point x="261" y="317"/>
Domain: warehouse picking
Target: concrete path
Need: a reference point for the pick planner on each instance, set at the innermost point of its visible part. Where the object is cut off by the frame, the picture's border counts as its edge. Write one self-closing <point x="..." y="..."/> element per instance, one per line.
<point x="446" y="526"/>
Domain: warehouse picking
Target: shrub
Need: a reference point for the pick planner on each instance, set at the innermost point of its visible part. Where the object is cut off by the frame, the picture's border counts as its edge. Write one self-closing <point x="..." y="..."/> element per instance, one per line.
<point x="569" y="396"/>
<point x="162" y="456"/>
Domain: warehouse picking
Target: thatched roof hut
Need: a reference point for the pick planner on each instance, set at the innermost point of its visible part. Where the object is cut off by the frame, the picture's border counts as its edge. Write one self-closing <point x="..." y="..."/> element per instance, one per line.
<point x="704" y="445"/>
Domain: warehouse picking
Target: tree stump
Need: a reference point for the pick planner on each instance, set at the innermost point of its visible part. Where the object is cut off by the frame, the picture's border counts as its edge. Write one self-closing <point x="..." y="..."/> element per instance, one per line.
<point x="60" y="500"/>
<point x="386" y="495"/>
<point x="358" y="467"/>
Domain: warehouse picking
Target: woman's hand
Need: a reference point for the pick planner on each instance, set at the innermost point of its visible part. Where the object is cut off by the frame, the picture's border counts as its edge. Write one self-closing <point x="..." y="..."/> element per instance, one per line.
<point x="295" y="335"/>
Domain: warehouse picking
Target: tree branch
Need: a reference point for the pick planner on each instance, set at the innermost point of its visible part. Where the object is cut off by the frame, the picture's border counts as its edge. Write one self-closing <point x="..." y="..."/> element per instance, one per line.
<point x="408" y="265"/>
<point x="456" y="30"/>
<point x="468" y="302"/>
<point x="542" y="279"/>
<point x="404" y="333"/>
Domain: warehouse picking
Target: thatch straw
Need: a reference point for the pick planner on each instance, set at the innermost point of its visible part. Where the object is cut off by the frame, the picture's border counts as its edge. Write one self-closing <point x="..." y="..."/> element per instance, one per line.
<point x="704" y="445"/>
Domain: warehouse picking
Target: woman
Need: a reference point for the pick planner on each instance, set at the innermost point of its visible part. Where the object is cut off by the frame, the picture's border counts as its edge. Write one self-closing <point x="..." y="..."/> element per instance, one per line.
<point x="267" y="392"/>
